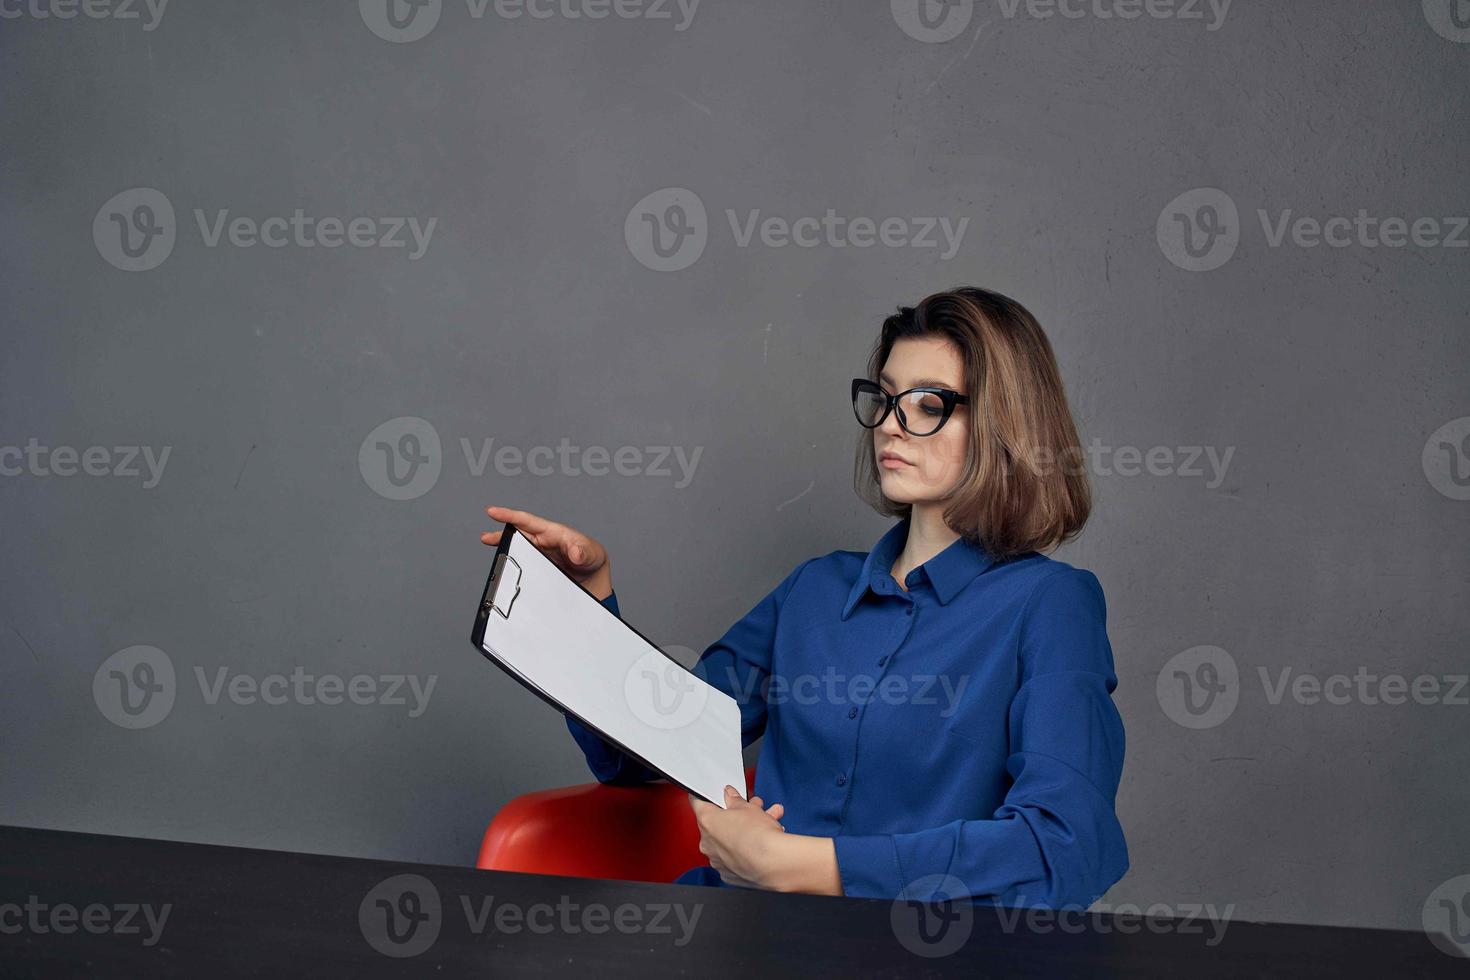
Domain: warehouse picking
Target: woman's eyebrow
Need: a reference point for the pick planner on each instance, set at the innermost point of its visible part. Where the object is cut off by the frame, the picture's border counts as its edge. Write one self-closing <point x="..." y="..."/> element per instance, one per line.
<point x="920" y="383"/>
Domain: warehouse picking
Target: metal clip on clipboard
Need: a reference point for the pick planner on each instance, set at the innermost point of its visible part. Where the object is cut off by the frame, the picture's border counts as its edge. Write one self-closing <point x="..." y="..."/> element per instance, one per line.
<point x="493" y="591"/>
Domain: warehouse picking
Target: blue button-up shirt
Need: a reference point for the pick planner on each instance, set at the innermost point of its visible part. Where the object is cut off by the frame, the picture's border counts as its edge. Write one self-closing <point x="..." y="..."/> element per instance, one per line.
<point x="958" y="738"/>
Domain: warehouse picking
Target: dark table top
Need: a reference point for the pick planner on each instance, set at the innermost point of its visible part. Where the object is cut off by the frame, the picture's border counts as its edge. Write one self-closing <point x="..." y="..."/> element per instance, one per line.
<point x="86" y="904"/>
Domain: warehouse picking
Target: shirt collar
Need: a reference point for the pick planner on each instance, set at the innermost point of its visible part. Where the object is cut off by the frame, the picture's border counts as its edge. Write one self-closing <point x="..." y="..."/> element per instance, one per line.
<point x="948" y="572"/>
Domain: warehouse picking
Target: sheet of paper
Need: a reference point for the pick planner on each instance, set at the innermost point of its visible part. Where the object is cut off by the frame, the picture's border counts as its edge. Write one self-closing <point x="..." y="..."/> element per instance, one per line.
<point x="583" y="657"/>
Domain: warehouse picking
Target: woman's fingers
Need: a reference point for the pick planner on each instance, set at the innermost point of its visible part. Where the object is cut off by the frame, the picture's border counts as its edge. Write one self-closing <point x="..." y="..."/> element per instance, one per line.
<point x="544" y="539"/>
<point x="580" y="556"/>
<point x="545" y="534"/>
<point x="526" y="521"/>
<point x="776" y="811"/>
<point x="576" y="550"/>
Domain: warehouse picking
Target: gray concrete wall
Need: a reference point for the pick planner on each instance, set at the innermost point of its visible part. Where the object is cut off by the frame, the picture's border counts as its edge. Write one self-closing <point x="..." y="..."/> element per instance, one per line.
<point x="1067" y="156"/>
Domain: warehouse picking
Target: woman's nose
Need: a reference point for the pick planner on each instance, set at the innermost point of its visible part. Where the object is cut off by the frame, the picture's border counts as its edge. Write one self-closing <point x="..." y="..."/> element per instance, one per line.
<point x="890" y="426"/>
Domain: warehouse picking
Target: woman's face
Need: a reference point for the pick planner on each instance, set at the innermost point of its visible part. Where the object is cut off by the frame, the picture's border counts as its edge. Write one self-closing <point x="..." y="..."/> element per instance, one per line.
<point x="920" y="469"/>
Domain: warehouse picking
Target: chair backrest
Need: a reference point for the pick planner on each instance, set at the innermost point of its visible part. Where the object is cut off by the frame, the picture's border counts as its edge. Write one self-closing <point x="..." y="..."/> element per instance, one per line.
<point x="636" y="833"/>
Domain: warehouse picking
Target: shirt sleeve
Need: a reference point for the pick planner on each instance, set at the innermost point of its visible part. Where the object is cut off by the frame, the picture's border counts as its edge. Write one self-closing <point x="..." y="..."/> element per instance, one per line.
<point x="1055" y="840"/>
<point x="739" y="663"/>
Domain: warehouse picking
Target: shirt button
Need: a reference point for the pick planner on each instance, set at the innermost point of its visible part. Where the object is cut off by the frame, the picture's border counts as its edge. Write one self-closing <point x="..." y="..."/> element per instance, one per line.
<point x="909" y="611"/>
<point x="841" y="779"/>
<point x="882" y="661"/>
<point x="852" y="712"/>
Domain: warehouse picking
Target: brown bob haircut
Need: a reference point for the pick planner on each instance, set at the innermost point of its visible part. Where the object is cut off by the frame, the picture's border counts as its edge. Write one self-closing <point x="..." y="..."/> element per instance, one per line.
<point x="1023" y="487"/>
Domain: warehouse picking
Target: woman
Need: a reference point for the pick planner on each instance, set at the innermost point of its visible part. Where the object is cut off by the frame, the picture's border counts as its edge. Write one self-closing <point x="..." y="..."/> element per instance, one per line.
<point x="937" y="713"/>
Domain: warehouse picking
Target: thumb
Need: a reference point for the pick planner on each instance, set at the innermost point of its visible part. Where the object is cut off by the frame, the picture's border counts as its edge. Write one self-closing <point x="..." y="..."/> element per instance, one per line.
<point x="577" y="552"/>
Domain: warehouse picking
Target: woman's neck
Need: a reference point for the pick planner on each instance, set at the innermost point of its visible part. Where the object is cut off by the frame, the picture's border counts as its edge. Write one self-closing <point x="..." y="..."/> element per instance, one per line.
<point x="928" y="536"/>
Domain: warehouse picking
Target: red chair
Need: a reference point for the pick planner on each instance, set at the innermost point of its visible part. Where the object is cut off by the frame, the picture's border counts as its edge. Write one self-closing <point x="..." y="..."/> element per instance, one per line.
<point x="636" y="833"/>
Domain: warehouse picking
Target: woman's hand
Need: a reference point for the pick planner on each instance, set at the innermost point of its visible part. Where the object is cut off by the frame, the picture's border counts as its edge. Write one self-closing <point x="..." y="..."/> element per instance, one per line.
<point x="740" y="839"/>
<point x="573" y="552"/>
<point x="750" y="848"/>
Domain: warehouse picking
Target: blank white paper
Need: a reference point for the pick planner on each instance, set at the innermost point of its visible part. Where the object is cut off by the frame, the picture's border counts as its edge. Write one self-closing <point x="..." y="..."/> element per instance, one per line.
<point x="565" y="643"/>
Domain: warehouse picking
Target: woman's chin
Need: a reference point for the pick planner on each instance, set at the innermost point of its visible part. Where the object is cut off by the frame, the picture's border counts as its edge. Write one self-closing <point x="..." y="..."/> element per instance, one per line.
<point x="895" y="488"/>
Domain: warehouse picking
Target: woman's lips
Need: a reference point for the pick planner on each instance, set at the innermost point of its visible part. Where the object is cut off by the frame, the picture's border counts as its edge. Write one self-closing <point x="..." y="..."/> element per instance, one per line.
<point x="892" y="463"/>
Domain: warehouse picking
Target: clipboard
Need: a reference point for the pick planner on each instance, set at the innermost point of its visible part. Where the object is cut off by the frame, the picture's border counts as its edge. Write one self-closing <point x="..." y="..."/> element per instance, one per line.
<point x="544" y="629"/>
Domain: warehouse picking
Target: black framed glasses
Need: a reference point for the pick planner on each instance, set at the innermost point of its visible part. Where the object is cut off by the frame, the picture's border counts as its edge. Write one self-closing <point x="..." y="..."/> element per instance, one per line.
<point x="921" y="411"/>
